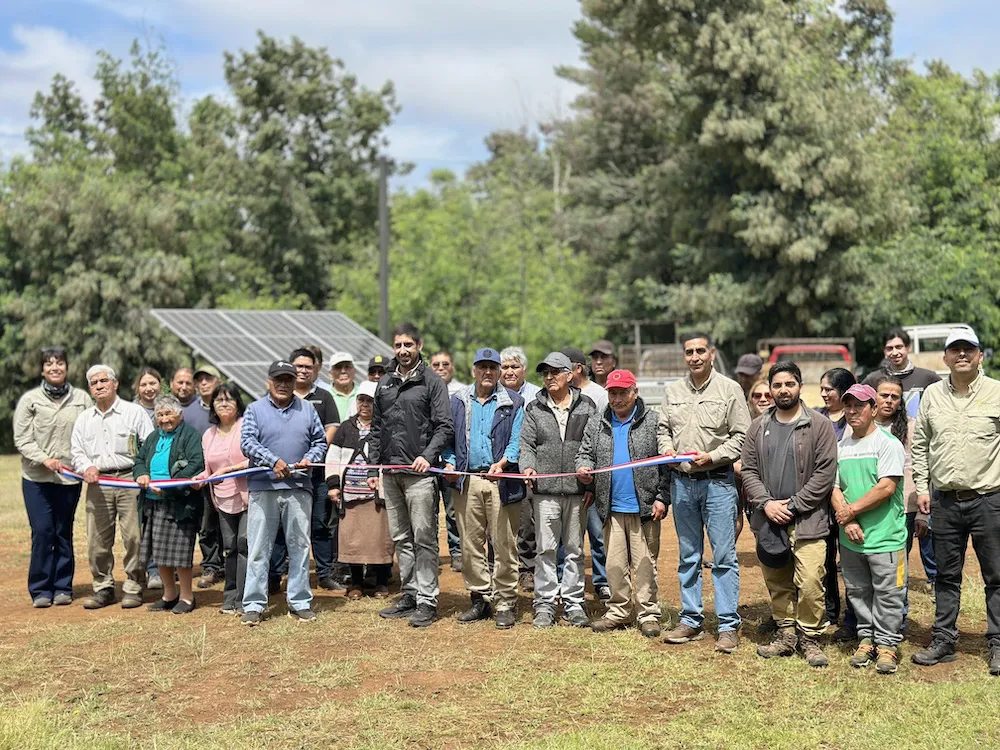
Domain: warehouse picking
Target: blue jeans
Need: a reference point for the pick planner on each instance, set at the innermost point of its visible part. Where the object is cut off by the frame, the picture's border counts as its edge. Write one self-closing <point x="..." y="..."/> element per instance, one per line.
<point x="700" y="505"/>
<point x="51" y="508"/>
<point x="270" y="509"/>
<point x="595" y="530"/>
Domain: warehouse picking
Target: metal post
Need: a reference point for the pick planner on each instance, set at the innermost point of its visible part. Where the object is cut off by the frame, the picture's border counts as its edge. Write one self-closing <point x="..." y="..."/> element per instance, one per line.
<point x="383" y="248"/>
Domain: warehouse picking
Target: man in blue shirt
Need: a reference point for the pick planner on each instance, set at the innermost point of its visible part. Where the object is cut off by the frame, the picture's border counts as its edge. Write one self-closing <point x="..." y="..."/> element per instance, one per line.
<point x="487" y="419"/>
<point x="284" y="433"/>
<point x="630" y="502"/>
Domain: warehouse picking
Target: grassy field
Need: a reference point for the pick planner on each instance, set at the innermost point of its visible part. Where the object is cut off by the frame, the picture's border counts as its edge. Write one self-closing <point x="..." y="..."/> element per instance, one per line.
<point x="70" y="678"/>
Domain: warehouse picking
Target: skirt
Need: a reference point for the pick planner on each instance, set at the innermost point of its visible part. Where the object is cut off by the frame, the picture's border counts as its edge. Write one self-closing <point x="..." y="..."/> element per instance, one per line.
<point x="363" y="536"/>
<point x="166" y="540"/>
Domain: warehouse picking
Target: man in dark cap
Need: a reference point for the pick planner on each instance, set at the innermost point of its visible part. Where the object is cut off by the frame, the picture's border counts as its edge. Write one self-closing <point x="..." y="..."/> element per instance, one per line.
<point x="376" y="367"/>
<point x="748" y="369"/>
<point x="602" y="361"/>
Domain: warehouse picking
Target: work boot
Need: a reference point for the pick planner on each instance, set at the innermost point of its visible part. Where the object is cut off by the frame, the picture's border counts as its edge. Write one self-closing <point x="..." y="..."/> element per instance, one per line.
<point x="650" y="629"/>
<point x="99" y="599"/>
<point x="782" y="645"/>
<point x="480" y="610"/>
<point x="812" y="652"/>
<point x="423" y="617"/>
<point x="865" y="655"/>
<point x="604" y="625"/>
<point x="727" y="642"/>
<point x="684" y="634"/>
<point x="994" y="660"/>
<point x="939" y="651"/>
<point x="506" y="619"/>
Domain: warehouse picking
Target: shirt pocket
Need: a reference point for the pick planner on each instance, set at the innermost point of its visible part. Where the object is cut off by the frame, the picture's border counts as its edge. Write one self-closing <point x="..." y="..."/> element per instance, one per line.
<point x="123" y="442"/>
<point x="710" y="415"/>
<point x="983" y="424"/>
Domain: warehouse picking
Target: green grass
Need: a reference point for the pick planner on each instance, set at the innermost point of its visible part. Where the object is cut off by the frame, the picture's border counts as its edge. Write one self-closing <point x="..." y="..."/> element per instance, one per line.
<point x="114" y="679"/>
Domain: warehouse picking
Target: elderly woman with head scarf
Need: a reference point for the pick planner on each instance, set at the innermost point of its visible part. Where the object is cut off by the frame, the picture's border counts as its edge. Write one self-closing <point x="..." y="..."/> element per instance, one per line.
<point x="170" y="516"/>
<point x="43" y="427"/>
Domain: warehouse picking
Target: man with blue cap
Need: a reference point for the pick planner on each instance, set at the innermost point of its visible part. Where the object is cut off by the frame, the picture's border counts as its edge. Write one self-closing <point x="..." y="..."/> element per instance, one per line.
<point x="487" y="418"/>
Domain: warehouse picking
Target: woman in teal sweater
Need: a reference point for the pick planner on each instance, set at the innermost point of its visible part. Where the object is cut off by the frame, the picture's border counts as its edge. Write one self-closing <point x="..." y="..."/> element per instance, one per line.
<point x="170" y="517"/>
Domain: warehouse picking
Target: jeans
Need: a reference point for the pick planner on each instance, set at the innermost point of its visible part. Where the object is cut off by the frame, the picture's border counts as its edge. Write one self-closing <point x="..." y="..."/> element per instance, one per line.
<point x="876" y="587"/>
<point x="322" y="533"/>
<point x="209" y="538"/>
<point x="269" y="509"/>
<point x="831" y="582"/>
<point x="700" y="505"/>
<point x="558" y="519"/>
<point x="954" y="522"/>
<point x="411" y="501"/>
<point x="50" y="508"/>
<point x="454" y="541"/>
<point x="233" y="528"/>
<point x="595" y="531"/>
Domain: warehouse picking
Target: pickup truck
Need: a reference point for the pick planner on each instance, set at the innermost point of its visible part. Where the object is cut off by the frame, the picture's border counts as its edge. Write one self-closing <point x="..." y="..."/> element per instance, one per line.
<point x="814" y="356"/>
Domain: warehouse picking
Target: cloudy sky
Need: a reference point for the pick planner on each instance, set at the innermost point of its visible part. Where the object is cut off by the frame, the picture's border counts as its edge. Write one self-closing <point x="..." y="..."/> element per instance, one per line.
<point x="461" y="67"/>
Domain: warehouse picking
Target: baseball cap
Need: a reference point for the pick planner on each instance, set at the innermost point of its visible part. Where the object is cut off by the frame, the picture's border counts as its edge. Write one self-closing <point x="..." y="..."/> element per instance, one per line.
<point x="340" y="358"/>
<point x="367" y="388"/>
<point x="281" y="367"/>
<point x="555" y="361"/>
<point x="749" y="364"/>
<point x="620" y="379"/>
<point x="486" y="355"/>
<point x="602" y="347"/>
<point x="962" y="333"/>
<point x="378" y="361"/>
<point x="207" y="370"/>
<point x="861" y="392"/>
<point x="576" y="356"/>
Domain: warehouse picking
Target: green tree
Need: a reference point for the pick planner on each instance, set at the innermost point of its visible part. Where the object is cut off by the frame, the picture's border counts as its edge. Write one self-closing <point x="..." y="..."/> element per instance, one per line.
<point x="728" y="155"/>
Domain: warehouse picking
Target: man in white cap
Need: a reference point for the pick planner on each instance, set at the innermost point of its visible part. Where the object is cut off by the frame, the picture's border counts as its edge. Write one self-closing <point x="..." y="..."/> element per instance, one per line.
<point x="956" y="449"/>
<point x="343" y="388"/>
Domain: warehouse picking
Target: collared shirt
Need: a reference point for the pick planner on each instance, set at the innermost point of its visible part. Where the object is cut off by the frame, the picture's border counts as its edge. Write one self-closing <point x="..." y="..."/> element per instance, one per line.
<point x="480" y="441"/>
<point x="109" y="440"/>
<point x="712" y="419"/>
<point x="561" y="413"/>
<point x="623" y="496"/>
<point x="43" y="429"/>
<point x="956" y="439"/>
<point x="347" y="405"/>
<point x="528" y="391"/>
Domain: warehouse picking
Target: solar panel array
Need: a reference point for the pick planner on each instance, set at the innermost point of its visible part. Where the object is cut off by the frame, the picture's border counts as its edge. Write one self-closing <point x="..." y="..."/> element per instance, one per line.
<point x="243" y="343"/>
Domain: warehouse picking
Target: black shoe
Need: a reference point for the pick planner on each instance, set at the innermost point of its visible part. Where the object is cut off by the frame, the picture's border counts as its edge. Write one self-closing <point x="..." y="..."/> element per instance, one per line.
<point x="995" y="659"/>
<point x="302" y="615"/>
<point x="405" y="606"/>
<point x="603" y="593"/>
<point x="162" y="605"/>
<point x="939" y="651"/>
<point x="505" y="619"/>
<point x="480" y="610"/>
<point x="424" y="616"/>
<point x="331" y="584"/>
<point x="182" y="607"/>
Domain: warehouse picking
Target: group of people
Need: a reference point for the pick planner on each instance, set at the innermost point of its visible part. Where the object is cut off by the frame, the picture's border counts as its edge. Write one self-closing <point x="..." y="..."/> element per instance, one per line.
<point x="356" y="476"/>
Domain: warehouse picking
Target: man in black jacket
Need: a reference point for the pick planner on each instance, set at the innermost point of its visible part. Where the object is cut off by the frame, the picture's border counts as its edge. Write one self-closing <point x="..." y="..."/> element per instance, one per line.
<point x="411" y="426"/>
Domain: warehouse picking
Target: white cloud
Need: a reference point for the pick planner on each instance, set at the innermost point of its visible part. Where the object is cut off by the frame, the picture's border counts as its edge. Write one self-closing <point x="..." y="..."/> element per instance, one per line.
<point x="39" y="53"/>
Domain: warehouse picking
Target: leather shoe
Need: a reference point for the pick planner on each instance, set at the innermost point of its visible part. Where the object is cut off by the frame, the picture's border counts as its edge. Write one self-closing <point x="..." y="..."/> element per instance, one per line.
<point x="505" y="619"/>
<point x="480" y="610"/>
<point x="939" y="651"/>
<point x="650" y="629"/>
<point x="131" y="601"/>
<point x="99" y="599"/>
<point x="604" y="625"/>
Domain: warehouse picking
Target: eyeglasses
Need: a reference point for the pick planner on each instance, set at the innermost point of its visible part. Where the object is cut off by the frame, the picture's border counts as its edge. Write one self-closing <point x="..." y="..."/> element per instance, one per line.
<point x="553" y="373"/>
<point x="760" y="396"/>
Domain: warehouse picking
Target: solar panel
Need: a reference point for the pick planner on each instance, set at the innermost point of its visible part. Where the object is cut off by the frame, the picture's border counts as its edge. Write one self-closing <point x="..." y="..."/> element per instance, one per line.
<point x="242" y="343"/>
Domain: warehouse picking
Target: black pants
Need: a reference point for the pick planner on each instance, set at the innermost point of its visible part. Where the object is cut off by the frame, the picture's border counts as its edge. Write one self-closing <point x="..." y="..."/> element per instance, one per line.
<point x="382" y="573"/>
<point x="954" y="522"/>
<point x="831" y="582"/>
<point x="233" y="528"/>
<point x="209" y="538"/>
<point x="526" y="536"/>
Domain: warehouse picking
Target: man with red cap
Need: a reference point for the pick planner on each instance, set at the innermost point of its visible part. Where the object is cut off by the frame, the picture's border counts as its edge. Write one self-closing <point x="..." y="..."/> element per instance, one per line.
<point x="630" y="502"/>
<point x="868" y="502"/>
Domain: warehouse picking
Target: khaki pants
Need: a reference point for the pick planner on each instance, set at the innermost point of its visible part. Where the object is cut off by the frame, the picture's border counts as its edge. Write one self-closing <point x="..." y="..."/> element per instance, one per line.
<point x="632" y="548"/>
<point x="105" y="505"/>
<point x="798" y="596"/>
<point x="479" y="513"/>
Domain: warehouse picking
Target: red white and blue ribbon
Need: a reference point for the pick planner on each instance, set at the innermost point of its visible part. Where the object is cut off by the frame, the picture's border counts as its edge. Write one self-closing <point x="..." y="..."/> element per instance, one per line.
<point x="128" y="484"/>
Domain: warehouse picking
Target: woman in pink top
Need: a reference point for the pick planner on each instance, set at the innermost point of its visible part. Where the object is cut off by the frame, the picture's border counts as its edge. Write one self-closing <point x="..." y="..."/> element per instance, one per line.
<point x="221" y="446"/>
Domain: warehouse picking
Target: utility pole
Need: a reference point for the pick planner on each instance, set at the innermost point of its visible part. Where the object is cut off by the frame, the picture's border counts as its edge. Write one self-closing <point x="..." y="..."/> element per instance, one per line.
<point x="383" y="248"/>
